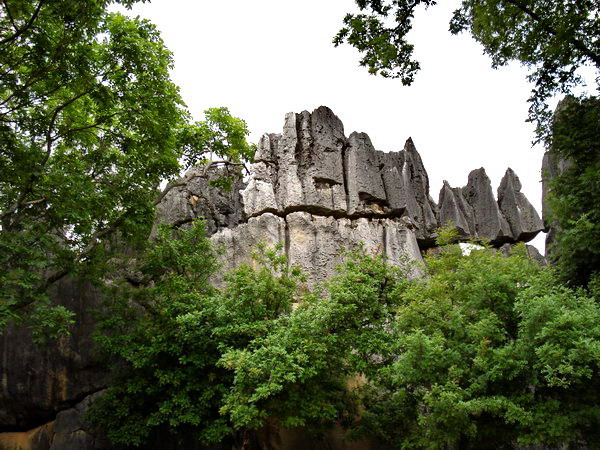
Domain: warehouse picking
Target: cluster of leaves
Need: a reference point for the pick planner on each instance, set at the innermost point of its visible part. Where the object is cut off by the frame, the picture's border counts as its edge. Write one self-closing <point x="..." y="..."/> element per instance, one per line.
<point x="169" y="334"/>
<point x="90" y="125"/>
<point x="214" y="364"/>
<point x="485" y="348"/>
<point x="488" y="349"/>
<point x="553" y="39"/>
<point x="574" y="193"/>
<point x="299" y="373"/>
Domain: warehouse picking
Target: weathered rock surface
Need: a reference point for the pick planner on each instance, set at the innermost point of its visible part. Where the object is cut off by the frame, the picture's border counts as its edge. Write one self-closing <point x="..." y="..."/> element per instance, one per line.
<point x="301" y="168"/>
<point x="524" y="221"/>
<point x="489" y="221"/>
<point x="239" y="244"/>
<point x="474" y="211"/>
<point x="313" y="167"/>
<point x="192" y="196"/>
<point x="316" y="243"/>
<point x="454" y="209"/>
<point x="68" y="431"/>
<point x="39" y="381"/>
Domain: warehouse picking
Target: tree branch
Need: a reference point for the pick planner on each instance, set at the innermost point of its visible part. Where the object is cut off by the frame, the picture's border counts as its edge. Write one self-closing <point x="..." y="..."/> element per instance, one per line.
<point x="10" y="17"/>
<point x="84" y="127"/>
<point x="57" y="111"/>
<point x="547" y="28"/>
<point x="94" y="239"/>
<point x="28" y="25"/>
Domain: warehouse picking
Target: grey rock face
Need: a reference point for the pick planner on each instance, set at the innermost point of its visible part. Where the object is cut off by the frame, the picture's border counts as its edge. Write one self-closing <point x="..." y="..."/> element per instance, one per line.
<point x="524" y="221"/>
<point x="420" y="186"/>
<point x="366" y="191"/>
<point x="238" y="244"/>
<point x="489" y="221"/>
<point x="316" y="243"/>
<point x="453" y="209"/>
<point x="192" y="197"/>
<point x="37" y="382"/>
<point x="313" y="167"/>
<point x="474" y="211"/>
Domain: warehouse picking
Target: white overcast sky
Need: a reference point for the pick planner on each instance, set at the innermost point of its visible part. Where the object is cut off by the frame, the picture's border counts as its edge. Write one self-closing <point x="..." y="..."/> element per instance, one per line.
<point x="264" y="58"/>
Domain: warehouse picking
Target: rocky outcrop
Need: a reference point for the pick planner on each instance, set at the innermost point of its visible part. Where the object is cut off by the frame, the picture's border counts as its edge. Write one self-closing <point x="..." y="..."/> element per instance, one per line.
<point x="39" y="381"/>
<point x="455" y="210"/>
<point x="531" y="251"/>
<point x="489" y="222"/>
<point x="317" y="243"/>
<point x="474" y="211"/>
<point x="193" y="196"/>
<point x="317" y="192"/>
<point x="312" y="167"/>
<point x="311" y="190"/>
<point x="300" y="169"/>
<point x="524" y="221"/>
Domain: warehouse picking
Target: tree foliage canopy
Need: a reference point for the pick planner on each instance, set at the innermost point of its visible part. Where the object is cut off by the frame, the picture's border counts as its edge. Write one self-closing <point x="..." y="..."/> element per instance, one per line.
<point x="169" y="335"/>
<point x="488" y="349"/>
<point x="552" y="38"/>
<point x="90" y="125"/>
<point x="574" y="193"/>
<point x="485" y="348"/>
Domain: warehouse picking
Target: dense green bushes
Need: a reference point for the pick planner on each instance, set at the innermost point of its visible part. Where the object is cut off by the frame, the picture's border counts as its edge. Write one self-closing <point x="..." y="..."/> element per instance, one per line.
<point x="484" y="349"/>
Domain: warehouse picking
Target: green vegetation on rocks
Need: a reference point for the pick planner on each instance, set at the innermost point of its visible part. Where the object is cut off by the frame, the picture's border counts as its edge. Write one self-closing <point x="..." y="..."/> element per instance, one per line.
<point x="485" y="348"/>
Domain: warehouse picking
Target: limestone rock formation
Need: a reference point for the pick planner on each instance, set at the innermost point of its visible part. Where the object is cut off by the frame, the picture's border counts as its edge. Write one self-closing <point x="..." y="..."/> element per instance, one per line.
<point x="474" y="211"/>
<point x="524" y="221"/>
<point x="301" y="169"/>
<point x="193" y="196"/>
<point x="489" y="221"/>
<point x="311" y="189"/>
<point x="312" y="167"/>
<point x="39" y="381"/>
<point x="316" y="243"/>
<point x="454" y="209"/>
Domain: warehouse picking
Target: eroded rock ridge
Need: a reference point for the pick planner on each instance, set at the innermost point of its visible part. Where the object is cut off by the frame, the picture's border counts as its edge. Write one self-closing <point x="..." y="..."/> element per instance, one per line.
<point x="318" y="191"/>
